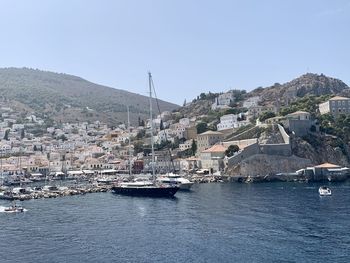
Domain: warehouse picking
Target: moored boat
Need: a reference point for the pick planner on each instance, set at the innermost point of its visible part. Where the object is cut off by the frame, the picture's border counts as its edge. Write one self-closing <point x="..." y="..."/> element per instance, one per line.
<point x="146" y="188"/>
<point x="177" y="180"/>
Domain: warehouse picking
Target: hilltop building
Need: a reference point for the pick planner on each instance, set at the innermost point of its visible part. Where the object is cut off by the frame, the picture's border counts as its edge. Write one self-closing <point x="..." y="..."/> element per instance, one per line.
<point x="223" y="101"/>
<point x="251" y="102"/>
<point x="299" y="123"/>
<point x="336" y="106"/>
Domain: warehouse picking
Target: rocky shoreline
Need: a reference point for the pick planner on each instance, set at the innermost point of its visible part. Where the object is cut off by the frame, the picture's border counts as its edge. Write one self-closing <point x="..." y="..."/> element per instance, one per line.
<point x="287" y="177"/>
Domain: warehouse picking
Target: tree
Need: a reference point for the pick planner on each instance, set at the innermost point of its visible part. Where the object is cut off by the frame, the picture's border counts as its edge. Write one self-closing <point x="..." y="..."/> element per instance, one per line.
<point x="6" y="137"/>
<point x="62" y="137"/>
<point x="161" y="126"/>
<point x="202" y="127"/>
<point x="266" y="115"/>
<point x="22" y="134"/>
<point x="140" y="134"/>
<point x="194" y="147"/>
<point x="231" y="150"/>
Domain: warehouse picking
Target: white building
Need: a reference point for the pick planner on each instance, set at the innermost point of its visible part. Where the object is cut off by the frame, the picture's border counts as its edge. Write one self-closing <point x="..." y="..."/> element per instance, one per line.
<point x="185" y="122"/>
<point x="251" y="102"/>
<point x="17" y="127"/>
<point x="223" y="100"/>
<point x="186" y="145"/>
<point x="230" y="121"/>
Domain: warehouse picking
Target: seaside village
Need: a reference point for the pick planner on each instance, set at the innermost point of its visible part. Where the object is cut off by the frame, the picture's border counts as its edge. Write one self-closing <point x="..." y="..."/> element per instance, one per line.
<point x="94" y="150"/>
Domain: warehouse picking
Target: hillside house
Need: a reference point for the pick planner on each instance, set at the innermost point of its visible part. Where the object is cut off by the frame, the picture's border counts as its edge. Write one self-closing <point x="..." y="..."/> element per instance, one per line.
<point x="223" y="100"/>
<point x="335" y="106"/>
<point x="251" y="102"/>
<point x="207" y="139"/>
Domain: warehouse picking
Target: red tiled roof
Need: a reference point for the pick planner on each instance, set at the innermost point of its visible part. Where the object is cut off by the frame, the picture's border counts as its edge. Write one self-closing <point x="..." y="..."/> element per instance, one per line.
<point x="327" y="165"/>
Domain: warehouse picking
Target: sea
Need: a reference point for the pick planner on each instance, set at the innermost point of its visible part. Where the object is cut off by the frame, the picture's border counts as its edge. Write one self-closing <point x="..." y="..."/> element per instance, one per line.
<point x="216" y="222"/>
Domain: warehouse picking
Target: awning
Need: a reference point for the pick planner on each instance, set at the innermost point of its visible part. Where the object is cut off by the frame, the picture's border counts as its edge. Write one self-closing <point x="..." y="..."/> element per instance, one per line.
<point x="75" y="172"/>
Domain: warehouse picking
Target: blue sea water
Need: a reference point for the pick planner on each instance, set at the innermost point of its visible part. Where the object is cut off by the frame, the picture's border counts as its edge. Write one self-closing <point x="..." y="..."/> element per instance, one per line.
<point x="268" y="222"/>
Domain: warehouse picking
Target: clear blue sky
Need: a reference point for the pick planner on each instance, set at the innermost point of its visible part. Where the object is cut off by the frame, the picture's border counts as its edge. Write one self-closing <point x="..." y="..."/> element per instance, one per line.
<point x="189" y="46"/>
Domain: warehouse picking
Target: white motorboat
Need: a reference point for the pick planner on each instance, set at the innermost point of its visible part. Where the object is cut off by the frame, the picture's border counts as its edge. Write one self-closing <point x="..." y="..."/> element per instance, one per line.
<point x="324" y="191"/>
<point x="14" y="209"/>
<point x="176" y="179"/>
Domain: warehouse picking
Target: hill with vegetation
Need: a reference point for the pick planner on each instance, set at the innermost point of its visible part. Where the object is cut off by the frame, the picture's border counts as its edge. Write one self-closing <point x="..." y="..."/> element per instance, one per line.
<point x="331" y="144"/>
<point x="309" y="84"/>
<point x="68" y="98"/>
<point x="302" y="93"/>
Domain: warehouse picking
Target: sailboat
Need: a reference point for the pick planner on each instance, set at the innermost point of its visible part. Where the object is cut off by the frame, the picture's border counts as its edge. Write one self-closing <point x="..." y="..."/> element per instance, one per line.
<point x="141" y="187"/>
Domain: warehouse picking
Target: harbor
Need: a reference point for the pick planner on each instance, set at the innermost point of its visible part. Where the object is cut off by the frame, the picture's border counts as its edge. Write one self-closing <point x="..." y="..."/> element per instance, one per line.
<point x="80" y="185"/>
<point x="212" y="223"/>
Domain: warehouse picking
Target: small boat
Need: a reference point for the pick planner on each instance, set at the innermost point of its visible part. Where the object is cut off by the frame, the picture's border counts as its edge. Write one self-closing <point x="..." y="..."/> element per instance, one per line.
<point x="14" y="209"/>
<point x="324" y="191"/>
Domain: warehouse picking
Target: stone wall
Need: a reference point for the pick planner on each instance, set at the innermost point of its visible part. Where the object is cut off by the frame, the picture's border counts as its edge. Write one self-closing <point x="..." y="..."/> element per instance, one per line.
<point x="276" y="149"/>
<point x="284" y="134"/>
<point x="299" y="127"/>
<point x="262" y="164"/>
<point x="241" y="143"/>
<point x="243" y="154"/>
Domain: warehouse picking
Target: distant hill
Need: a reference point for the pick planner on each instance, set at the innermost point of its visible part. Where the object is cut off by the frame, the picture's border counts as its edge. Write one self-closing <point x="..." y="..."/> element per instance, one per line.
<point x="307" y="84"/>
<point x="66" y="98"/>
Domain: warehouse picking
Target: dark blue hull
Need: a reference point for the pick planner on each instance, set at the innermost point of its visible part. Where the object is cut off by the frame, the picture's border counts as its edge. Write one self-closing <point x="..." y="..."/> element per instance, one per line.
<point x="146" y="191"/>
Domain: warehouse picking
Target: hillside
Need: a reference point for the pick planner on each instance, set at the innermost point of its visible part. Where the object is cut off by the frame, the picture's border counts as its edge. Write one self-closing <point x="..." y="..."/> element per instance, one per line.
<point x="307" y="84"/>
<point x="278" y="94"/>
<point x="65" y="98"/>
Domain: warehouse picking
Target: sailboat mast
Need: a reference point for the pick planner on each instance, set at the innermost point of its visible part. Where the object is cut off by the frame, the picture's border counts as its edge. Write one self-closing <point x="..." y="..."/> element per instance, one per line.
<point x="151" y="120"/>
<point x="129" y="141"/>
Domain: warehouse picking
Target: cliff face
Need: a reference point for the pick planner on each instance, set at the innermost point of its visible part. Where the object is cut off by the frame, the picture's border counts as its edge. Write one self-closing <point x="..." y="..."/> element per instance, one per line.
<point x="262" y="164"/>
<point x="310" y="151"/>
<point x="321" y="149"/>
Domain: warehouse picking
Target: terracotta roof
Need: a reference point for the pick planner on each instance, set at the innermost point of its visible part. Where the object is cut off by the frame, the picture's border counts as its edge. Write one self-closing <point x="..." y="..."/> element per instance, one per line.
<point x="192" y="159"/>
<point x="339" y="98"/>
<point x="299" y="112"/>
<point x="211" y="133"/>
<point x="218" y="148"/>
<point x="327" y="165"/>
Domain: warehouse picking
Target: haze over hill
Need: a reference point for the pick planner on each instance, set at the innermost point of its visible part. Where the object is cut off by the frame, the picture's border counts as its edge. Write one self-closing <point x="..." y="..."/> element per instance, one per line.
<point x="66" y="98"/>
